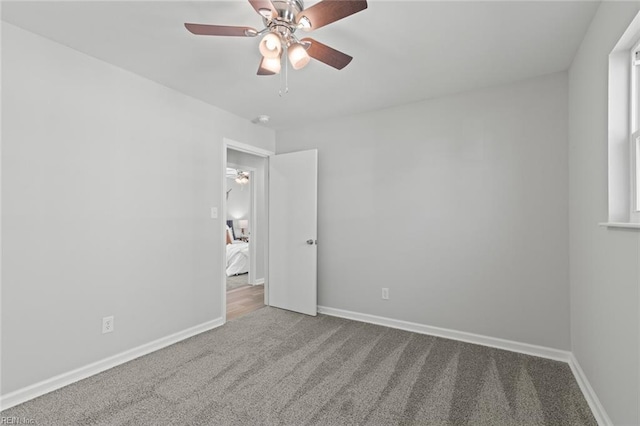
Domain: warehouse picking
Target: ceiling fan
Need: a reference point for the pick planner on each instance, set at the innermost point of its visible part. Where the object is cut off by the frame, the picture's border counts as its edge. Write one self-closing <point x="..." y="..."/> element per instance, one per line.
<point x="281" y="19"/>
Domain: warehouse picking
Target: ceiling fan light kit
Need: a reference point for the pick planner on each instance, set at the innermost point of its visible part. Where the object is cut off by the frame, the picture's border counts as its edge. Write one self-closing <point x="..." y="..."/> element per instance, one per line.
<point x="270" y="46"/>
<point x="281" y="19"/>
<point x="298" y="56"/>
<point x="270" y="66"/>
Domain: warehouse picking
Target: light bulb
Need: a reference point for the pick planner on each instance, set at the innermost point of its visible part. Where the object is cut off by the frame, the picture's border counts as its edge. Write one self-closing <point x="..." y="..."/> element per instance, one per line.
<point x="298" y="56"/>
<point x="270" y="46"/>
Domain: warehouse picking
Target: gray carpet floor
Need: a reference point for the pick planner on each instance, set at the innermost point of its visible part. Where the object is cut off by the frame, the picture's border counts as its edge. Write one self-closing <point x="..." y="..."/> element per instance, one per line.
<point x="236" y="281"/>
<point x="274" y="367"/>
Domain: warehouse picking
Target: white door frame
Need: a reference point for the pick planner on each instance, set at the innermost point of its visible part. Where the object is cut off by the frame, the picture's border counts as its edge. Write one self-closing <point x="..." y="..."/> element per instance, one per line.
<point x="259" y="152"/>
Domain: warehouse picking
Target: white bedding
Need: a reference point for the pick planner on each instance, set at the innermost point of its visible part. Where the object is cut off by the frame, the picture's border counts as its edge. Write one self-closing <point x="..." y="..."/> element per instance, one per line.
<point x="237" y="258"/>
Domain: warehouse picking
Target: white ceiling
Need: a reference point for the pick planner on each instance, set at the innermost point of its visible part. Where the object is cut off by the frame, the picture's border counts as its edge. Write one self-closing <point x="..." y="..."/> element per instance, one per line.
<point x="404" y="51"/>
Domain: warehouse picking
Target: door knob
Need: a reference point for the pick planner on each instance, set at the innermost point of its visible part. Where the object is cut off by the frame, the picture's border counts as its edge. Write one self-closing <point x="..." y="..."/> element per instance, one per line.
<point x="310" y="242"/>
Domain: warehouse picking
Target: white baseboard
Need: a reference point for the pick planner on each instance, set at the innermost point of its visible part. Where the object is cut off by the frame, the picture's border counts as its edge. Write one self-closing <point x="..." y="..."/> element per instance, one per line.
<point x="478" y="339"/>
<point x="259" y="281"/>
<point x="27" y="393"/>
<point x="589" y="394"/>
<point x="32" y="391"/>
<point x="540" y="351"/>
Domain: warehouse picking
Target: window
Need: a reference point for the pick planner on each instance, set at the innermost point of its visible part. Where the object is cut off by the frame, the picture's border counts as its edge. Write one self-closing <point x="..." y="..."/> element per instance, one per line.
<point x="624" y="129"/>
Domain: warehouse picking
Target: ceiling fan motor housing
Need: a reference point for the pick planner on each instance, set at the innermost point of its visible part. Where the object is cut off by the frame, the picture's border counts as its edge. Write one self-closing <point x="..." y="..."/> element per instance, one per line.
<point x="284" y="24"/>
<point x="288" y="10"/>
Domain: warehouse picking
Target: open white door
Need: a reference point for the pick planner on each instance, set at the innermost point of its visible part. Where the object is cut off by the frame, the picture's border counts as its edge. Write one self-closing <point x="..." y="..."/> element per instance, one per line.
<point x="293" y="217"/>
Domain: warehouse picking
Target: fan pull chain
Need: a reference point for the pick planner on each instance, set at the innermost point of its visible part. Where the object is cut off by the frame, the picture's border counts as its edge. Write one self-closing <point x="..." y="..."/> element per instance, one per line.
<point x="286" y="73"/>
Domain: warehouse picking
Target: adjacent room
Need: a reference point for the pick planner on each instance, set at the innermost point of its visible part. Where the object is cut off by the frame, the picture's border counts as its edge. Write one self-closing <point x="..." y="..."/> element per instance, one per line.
<point x="323" y="212"/>
<point x="245" y="235"/>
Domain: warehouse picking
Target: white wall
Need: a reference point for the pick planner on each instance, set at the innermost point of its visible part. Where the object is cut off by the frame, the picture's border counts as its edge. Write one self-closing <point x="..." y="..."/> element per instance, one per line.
<point x="107" y="184"/>
<point x="258" y="235"/>
<point x="238" y="201"/>
<point x="604" y="263"/>
<point x="458" y="205"/>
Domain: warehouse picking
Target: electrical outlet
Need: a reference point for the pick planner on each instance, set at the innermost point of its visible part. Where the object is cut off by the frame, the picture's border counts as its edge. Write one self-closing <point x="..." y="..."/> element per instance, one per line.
<point x="107" y="324"/>
<point x="385" y="293"/>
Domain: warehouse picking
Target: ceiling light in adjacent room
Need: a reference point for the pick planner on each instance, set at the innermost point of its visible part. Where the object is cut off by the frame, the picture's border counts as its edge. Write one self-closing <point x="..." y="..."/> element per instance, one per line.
<point x="242" y="178"/>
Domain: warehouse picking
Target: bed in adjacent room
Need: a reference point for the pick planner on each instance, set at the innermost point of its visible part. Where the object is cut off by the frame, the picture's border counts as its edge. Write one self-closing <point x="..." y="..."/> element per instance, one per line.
<point x="237" y="253"/>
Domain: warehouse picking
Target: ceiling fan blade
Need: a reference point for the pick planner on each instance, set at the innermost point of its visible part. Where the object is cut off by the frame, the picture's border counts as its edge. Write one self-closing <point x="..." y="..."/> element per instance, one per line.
<point x="264" y="71"/>
<point x="263" y="6"/>
<point x="326" y="54"/>
<point x="221" y="30"/>
<point x="328" y="11"/>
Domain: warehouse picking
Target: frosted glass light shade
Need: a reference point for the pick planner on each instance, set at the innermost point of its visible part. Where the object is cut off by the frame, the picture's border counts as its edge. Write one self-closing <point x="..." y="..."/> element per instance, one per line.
<point x="270" y="46"/>
<point x="298" y="56"/>
<point x="271" y="64"/>
<point x="243" y="224"/>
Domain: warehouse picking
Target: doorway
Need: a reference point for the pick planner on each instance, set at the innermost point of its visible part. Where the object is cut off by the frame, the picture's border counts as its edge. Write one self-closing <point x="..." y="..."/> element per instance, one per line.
<point x="245" y="214"/>
<point x="287" y="228"/>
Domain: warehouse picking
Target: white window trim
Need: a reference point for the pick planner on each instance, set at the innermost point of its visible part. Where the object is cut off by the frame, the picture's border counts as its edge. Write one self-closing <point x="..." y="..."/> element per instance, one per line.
<point x="623" y="132"/>
<point x="634" y="134"/>
<point x="634" y="149"/>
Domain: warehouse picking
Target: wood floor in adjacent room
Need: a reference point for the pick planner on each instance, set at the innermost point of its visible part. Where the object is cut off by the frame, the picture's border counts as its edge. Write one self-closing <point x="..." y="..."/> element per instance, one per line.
<point x="241" y="301"/>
